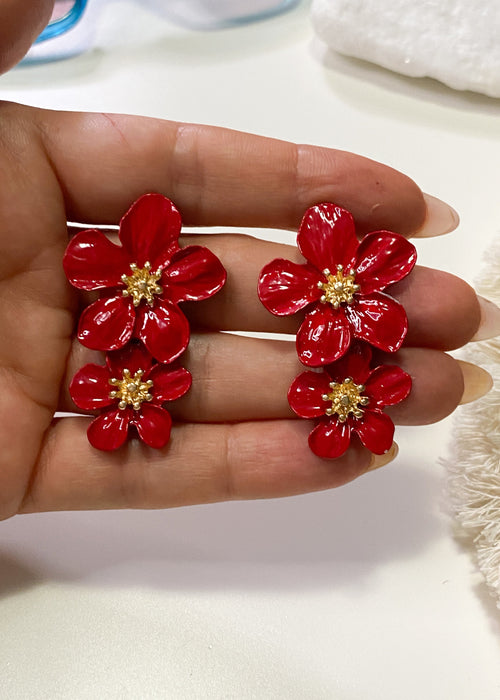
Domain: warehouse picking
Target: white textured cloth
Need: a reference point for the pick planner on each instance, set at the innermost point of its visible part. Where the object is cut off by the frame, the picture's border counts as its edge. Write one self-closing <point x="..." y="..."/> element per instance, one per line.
<point x="454" y="41"/>
<point x="474" y="467"/>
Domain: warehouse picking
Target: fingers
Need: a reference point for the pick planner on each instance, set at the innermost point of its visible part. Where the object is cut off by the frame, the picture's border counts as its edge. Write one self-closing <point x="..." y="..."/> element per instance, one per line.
<point x="221" y="177"/>
<point x="237" y="378"/>
<point x="201" y="464"/>
<point x="20" y="24"/>
<point x="443" y="311"/>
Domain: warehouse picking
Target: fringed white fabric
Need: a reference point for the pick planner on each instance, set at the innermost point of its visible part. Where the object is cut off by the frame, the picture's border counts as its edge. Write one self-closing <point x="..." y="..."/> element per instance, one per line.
<point x="474" y="465"/>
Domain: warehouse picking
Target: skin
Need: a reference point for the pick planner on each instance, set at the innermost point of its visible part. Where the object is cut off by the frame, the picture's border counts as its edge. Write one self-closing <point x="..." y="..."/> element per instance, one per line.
<point x="236" y="436"/>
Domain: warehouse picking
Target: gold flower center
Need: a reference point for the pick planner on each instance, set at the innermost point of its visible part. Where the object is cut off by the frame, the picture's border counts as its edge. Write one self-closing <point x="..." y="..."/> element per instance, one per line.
<point x="339" y="288"/>
<point x="346" y="398"/>
<point x="142" y="284"/>
<point x="131" y="391"/>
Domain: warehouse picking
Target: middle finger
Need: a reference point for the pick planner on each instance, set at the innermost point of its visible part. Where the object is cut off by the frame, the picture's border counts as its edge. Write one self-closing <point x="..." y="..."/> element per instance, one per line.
<point x="443" y="310"/>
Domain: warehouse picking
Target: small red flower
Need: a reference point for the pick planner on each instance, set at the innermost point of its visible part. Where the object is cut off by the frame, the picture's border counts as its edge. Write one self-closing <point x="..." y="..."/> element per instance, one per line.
<point x="341" y="285"/>
<point x="347" y="397"/>
<point x="131" y="389"/>
<point x="144" y="280"/>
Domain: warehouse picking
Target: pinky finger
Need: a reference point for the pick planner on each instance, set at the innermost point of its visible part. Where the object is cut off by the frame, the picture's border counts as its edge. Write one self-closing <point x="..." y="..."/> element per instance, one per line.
<point x="201" y="464"/>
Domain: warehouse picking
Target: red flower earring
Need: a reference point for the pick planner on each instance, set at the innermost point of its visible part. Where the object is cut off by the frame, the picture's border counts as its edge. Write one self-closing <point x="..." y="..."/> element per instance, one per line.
<point x="142" y="281"/>
<point x="348" y="397"/>
<point x="137" y="320"/>
<point x="340" y="286"/>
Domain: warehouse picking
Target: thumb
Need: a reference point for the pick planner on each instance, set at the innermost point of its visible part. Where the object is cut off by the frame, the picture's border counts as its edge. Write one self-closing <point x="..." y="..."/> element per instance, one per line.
<point x="21" y="21"/>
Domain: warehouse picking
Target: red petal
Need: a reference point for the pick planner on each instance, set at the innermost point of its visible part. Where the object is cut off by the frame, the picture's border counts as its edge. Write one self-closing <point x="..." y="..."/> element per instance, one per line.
<point x="150" y="229"/>
<point x="378" y="319"/>
<point x="90" y="387"/>
<point x="153" y="425"/>
<point x="107" y="324"/>
<point x="382" y="259"/>
<point x="355" y="363"/>
<point x="164" y="330"/>
<point x="330" y="438"/>
<point x="134" y="356"/>
<point x="285" y="287"/>
<point x="323" y="337"/>
<point x="169" y="384"/>
<point x="375" y="430"/>
<point x="304" y="395"/>
<point x="327" y="237"/>
<point x="109" y="430"/>
<point x="194" y="273"/>
<point x="91" y="261"/>
<point x="388" y="385"/>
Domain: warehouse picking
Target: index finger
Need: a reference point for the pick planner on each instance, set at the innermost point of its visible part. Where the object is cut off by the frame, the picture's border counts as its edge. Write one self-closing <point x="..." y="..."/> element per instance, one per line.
<point x="221" y="177"/>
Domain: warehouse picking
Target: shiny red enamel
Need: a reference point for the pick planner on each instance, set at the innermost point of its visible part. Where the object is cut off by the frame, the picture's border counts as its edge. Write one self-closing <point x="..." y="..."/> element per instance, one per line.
<point x="326" y="238"/>
<point x="149" y="232"/>
<point x="164" y="330"/>
<point x="91" y="387"/>
<point x="384" y="386"/>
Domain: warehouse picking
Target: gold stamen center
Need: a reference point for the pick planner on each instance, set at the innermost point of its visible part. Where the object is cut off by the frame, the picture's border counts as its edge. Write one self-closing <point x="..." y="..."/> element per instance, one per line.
<point x="339" y="287"/>
<point x="141" y="284"/>
<point x="131" y="391"/>
<point x="346" y="399"/>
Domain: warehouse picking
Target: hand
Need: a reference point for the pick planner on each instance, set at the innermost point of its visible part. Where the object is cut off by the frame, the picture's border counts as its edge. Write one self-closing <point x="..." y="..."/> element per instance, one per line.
<point x="236" y="437"/>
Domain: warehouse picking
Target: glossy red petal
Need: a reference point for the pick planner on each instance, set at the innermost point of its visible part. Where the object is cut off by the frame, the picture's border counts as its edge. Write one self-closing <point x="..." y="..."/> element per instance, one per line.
<point x="150" y="229"/>
<point x="169" y="384"/>
<point x="375" y="430"/>
<point x="164" y="330"/>
<point x="323" y="337"/>
<point x="382" y="259"/>
<point x="109" y="430"/>
<point x="285" y="287"/>
<point x="330" y="438"/>
<point x="153" y="425"/>
<point x="355" y="364"/>
<point x="92" y="261"/>
<point x="107" y="324"/>
<point x="327" y="237"/>
<point x="387" y="385"/>
<point x="379" y="320"/>
<point x="90" y="388"/>
<point x="134" y="356"/>
<point x="304" y="395"/>
<point x="194" y="273"/>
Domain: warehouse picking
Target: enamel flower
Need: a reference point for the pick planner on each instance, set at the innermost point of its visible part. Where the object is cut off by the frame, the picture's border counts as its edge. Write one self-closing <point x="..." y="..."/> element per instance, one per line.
<point x="142" y="280"/>
<point x="131" y="390"/>
<point x="348" y="397"/>
<point x="340" y="286"/>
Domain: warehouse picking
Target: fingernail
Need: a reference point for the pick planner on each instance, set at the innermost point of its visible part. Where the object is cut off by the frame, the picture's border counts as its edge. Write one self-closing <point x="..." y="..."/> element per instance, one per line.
<point x="440" y="219"/>
<point x="378" y="461"/>
<point x="489" y="326"/>
<point x="477" y="382"/>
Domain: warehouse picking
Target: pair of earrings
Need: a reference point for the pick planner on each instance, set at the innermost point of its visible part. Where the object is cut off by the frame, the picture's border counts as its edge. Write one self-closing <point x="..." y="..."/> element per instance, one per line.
<point x="138" y="323"/>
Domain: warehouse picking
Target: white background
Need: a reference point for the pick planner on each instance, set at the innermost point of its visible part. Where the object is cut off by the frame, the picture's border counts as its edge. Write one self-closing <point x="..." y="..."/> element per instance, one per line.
<point x="360" y="593"/>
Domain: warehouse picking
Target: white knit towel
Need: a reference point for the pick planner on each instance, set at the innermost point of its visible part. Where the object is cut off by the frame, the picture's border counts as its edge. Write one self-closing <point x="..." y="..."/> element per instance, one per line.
<point x="454" y="41"/>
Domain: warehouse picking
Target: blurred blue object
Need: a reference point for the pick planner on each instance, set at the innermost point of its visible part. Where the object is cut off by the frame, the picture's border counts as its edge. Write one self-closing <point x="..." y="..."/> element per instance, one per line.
<point x="64" y="17"/>
<point x="71" y="28"/>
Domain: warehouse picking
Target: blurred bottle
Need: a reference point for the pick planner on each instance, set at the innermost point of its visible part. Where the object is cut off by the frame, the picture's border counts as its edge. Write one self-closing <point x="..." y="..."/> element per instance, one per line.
<point x="71" y="28"/>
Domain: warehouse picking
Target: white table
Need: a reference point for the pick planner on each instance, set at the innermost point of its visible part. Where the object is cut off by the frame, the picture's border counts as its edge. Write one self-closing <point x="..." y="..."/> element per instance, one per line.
<point x="356" y="594"/>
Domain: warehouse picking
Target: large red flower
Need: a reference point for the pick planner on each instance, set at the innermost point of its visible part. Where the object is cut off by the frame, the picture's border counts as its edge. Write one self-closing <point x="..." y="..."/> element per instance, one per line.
<point x="143" y="280"/>
<point x="348" y="397"/>
<point x="339" y="286"/>
<point x="130" y="389"/>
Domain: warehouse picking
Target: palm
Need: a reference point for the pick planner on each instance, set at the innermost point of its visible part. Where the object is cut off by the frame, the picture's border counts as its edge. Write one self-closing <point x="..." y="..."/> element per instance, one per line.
<point x="57" y="167"/>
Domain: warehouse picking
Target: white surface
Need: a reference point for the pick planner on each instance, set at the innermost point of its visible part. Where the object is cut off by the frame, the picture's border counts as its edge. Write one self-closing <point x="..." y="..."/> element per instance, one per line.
<point x="455" y="41"/>
<point x="355" y="594"/>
